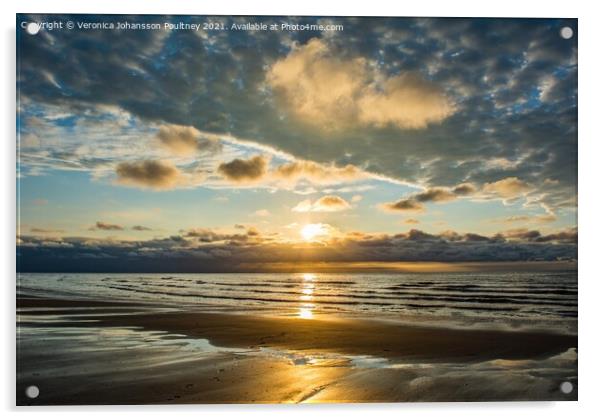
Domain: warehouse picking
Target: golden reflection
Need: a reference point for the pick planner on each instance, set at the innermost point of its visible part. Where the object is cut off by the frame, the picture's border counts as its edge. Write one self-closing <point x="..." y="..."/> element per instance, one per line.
<point x="309" y="277"/>
<point x="306" y="312"/>
<point x="307" y="290"/>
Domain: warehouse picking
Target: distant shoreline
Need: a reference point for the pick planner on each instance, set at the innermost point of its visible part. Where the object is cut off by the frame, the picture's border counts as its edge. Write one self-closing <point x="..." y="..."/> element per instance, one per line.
<point x="367" y="267"/>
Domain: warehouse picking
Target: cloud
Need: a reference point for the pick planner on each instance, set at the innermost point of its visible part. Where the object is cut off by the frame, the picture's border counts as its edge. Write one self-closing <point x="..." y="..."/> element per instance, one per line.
<point x="106" y="226"/>
<point x="256" y="171"/>
<point x="253" y="231"/>
<point x="404" y="205"/>
<point x="204" y="235"/>
<point x="563" y="236"/>
<point x="405" y="101"/>
<point x="510" y="187"/>
<point x="328" y="203"/>
<point x="45" y="230"/>
<point x="474" y="237"/>
<point x="196" y="236"/>
<point x="522" y="234"/>
<point x="185" y="140"/>
<point x="318" y="89"/>
<point x="99" y="107"/>
<point x="356" y="198"/>
<point x="153" y="174"/>
<point x="567" y="235"/>
<point x="316" y="173"/>
<point x="244" y="170"/>
<point x="141" y="228"/>
<point x="209" y="250"/>
<point x="322" y="88"/>
<point x="30" y="141"/>
<point x="411" y="221"/>
<point x="435" y="194"/>
<point x="464" y="189"/>
<point x="544" y="218"/>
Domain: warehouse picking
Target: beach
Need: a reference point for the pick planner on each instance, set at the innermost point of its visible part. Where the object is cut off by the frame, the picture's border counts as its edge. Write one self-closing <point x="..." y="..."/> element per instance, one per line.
<point x="79" y="351"/>
<point x="295" y="209"/>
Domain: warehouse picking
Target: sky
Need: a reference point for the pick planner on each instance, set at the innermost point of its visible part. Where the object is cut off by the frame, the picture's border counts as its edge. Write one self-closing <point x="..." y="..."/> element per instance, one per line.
<point x="392" y="140"/>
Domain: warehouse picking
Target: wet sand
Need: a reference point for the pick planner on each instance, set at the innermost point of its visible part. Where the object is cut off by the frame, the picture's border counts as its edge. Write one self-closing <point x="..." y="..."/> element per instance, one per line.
<point x="415" y="363"/>
<point x="360" y="337"/>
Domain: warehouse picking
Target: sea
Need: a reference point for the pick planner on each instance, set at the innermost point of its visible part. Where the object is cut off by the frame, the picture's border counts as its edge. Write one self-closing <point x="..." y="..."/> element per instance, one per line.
<point x="534" y="300"/>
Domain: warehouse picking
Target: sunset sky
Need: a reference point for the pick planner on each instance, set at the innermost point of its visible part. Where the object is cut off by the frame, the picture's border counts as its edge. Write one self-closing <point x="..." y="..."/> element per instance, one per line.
<point x="403" y="139"/>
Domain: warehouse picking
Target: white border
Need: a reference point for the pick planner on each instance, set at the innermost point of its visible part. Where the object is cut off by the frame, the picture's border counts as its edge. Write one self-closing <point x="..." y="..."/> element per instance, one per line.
<point x="590" y="151"/>
<point x="516" y="8"/>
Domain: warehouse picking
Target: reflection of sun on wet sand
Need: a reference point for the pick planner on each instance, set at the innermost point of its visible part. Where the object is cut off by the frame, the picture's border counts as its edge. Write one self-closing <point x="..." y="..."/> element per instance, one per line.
<point x="119" y="353"/>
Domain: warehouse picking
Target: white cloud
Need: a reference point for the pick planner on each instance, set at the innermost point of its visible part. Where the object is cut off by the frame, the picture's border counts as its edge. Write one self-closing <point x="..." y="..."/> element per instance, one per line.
<point x="333" y="93"/>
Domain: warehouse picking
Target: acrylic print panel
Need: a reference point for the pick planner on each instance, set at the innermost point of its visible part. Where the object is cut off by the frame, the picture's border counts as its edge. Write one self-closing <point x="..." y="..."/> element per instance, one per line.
<point x="221" y="209"/>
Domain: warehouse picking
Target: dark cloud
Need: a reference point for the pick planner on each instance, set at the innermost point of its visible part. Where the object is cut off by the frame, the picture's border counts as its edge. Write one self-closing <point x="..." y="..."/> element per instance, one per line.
<point x="435" y="194"/>
<point x="106" y="226"/>
<point x="418" y="235"/>
<point x="141" y="228"/>
<point x="569" y="235"/>
<point x="244" y="170"/>
<point x="464" y="189"/>
<point x="566" y="236"/>
<point x="207" y="250"/>
<point x="204" y="235"/>
<point x="404" y="205"/>
<point x="45" y="230"/>
<point x="149" y="174"/>
<point x="473" y="237"/>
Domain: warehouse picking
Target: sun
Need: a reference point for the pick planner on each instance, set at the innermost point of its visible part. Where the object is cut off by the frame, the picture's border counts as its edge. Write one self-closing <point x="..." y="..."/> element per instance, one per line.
<point x="313" y="230"/>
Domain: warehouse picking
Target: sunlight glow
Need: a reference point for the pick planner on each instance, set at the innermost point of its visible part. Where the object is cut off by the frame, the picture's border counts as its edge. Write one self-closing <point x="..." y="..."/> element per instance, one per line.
<point x="313" y="230"/>
<point x="306" y="312"/>
<point x="309" y="277"/>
